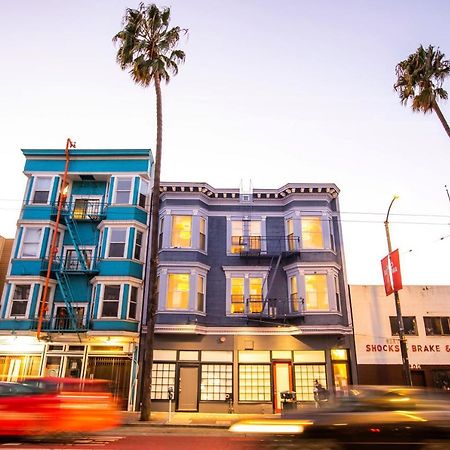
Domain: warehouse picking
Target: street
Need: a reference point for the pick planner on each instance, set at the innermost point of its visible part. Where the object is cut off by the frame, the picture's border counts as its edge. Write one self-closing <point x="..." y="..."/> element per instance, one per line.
<point x="198" y="438"/>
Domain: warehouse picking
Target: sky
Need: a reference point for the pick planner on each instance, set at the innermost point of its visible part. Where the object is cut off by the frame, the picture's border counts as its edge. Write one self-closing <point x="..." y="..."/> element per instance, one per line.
<point x="272" y="92"/>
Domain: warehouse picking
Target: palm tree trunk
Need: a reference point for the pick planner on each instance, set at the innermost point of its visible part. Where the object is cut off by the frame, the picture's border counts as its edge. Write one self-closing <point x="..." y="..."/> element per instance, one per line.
<point x="438" y="111"/>
<point x="152" y="301"/>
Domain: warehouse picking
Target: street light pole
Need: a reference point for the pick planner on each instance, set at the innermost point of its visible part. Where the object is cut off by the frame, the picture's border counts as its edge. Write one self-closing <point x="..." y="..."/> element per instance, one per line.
<point x="401" y="329"/>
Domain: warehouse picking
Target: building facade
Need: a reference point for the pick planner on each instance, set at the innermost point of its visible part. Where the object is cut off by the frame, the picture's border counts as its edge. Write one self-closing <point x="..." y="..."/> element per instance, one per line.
<point x="426" y="318"/>
<point x="5" y="256"/>
<point x="253" y="299"/>
<point x="72" y="299"/>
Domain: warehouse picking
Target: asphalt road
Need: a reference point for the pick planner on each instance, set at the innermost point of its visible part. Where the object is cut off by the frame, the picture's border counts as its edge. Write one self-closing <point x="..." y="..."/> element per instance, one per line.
<point x="190" y="438"/>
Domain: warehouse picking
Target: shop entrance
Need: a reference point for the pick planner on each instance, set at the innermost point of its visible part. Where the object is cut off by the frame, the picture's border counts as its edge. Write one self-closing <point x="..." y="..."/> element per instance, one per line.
<point x="282" y="381"/>
<point x="188" y="388"/>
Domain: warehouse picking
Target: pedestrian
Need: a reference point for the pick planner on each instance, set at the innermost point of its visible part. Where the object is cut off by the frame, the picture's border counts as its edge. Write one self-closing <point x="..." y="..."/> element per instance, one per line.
<point x="320" y="394"/>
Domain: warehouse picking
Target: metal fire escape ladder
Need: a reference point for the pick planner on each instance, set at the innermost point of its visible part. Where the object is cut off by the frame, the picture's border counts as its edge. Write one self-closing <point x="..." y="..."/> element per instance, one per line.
<point x="74" y="235"/>
<point x="54" y="244"/>
<point x="64" y="285"/>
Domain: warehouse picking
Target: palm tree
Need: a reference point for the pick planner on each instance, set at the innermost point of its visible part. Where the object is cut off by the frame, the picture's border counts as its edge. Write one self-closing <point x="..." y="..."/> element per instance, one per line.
<point x="420" y="78"/>
<point x="147" y="47"/>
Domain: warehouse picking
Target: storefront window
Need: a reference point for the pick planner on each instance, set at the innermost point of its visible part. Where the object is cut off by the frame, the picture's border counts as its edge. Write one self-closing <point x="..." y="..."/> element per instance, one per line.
<point x="305" y="375"/>
<point x="216" y="381"/>
<point x="254" y="382"/>
<point x="163" y="377"/>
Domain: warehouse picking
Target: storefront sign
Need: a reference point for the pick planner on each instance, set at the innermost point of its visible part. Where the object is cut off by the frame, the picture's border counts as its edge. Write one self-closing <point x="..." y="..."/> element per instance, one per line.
<point x="415" y="348"/>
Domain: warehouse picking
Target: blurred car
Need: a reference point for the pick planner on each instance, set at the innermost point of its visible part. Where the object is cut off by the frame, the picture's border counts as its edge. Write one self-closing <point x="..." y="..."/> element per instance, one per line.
<point x="366" y="414"/>
<point x="49" y="406"/>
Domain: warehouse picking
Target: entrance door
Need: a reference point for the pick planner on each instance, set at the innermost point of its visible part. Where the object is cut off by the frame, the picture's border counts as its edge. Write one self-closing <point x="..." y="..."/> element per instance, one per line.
<point x="341" y="378"/>
<point x="418" y="377"/>
<point x="282" y="381"/>
<point x="188" y="388"/>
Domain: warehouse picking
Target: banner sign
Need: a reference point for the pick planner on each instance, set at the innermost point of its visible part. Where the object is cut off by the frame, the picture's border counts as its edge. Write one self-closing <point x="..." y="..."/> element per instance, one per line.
<point x="386" y="276"/>
<point x="390" y="266"/>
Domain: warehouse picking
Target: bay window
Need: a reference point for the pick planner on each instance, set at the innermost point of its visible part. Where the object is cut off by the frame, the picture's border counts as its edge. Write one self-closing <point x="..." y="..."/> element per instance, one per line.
<point x="31" y="242"/>
<point x="110" y="300"/>
<point x="143" y="193"/>
<point x="123" y="189"/>
<point x="117" y="242"/>
<point x="20" y="300"/>
<point x="316" y="292"/>
<point x="314" y="230"/>
<point x="178" y="291"/>
<point x="181" y="236"/>
<point x="312" y="234"/>
<point x="41" y="190"/>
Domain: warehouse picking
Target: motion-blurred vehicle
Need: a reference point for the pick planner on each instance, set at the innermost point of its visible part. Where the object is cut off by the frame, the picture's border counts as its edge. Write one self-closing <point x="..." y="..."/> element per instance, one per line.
<point x="369" y="414"/>
<point x="50" y="406"/>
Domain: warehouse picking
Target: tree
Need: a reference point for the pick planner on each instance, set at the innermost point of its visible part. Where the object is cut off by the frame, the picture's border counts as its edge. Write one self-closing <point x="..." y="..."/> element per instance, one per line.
<point x="147" y="47"/>
<point x="420" y="78"/>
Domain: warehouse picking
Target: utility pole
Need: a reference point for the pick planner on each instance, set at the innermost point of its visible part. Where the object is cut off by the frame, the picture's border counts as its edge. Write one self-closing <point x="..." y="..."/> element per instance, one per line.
<point x="401" y="329"/>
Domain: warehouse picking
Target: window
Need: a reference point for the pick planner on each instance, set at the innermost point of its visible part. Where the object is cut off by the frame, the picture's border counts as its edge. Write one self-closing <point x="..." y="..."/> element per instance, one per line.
<point x="20" y="298"/>
<point x="138" y="245"/>
<point x="216" y="381"/>
<point x="237" y="296"/>
<point x="312" y="236"/>
<point x="117" y="242"/>
<point x="202" y="243"/>
<point x="123" y="190"/>
<point x="316" y="292"/>
<point x="84" y="208"/>
<point x="245" y="236"/>
<point x="143" y="193"/>
<point x="292" y="242"/>
<point x="305" y="375"/>
<point x="72" y="261"/>
<point x="163" y="377"/>
<point x="63" y="321"/>
<point x="436" y="326"/>
<point x="111" y="300"/>
<point x="294" y="297"/>
<point x="254" y="382"/>
<point x="31" y="242"/>
<point x="41" y="192"/>
<point x="181" y="231"/>
<point x="132" y="307"/>
<point x="200" y="293"/>
<point x="161" y="233"/>
<point x="409" y="325"/>
<point x="255" y="301"/>
<point x="178" y="291"/>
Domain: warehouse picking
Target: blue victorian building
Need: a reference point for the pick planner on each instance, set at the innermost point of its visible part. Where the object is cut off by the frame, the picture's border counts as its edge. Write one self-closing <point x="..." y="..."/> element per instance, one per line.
<point x="72" y="299"/>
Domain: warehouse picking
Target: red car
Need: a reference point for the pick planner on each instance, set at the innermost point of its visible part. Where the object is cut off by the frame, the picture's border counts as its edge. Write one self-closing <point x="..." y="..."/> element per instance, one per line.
<point x="48" y="406"/>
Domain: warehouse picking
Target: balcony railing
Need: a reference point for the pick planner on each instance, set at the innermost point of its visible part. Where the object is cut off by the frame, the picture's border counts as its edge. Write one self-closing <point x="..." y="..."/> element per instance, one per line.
<point x="275" y="308"/>
<point x="265" y="245"/>
<point x="62" y="325"/>
<point x="70" y="264"/>
<point x="83" y="209"/>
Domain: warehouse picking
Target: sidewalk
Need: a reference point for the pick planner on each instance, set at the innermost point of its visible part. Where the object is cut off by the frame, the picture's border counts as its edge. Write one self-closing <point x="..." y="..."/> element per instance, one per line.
<point x="178" y="419"/>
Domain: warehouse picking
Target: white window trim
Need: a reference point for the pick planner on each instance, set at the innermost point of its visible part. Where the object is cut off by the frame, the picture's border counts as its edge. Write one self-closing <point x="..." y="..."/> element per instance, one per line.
<point x="108" y="243"/>
<point x="81" y="247"/>
<point x="245" y="272"/>
<point x="147" y="202"/>
<point x="138" y="301"/>
<point x="33" y="189"/>
<point x="101" y="299"/>
<point x="73" y="198"/>
<point x="143" y="242"/>
<point x="30" y="297"/>
<point x="22" y="241"/>
<point x="130" y="199"/>
<point x="258" y="218"/>
<point x="74" y="305"/>
<point x="196" y="214"/>
<point x="193" y="270"/>
<point x="330" y="272"/>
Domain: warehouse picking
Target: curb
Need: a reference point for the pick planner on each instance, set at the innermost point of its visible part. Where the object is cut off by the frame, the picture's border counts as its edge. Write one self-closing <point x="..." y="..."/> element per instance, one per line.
<point x="179" y="425"/>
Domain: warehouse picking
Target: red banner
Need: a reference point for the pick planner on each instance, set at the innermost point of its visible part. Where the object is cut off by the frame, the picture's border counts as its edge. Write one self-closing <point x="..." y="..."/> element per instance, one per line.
<point x="395" y="269"/>
<point x="387" y="275"/>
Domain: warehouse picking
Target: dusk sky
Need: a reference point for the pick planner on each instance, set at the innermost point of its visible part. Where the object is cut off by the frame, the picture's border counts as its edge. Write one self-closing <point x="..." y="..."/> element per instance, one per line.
<point x="272" y="92"/>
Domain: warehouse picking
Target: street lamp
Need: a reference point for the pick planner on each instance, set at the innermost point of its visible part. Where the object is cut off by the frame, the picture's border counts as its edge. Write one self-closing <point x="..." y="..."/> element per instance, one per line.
<point x="401" y="328"/>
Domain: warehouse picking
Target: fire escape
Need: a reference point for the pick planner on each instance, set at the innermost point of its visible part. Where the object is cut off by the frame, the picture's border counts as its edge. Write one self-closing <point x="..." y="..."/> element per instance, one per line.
<point x="77" y="261"/>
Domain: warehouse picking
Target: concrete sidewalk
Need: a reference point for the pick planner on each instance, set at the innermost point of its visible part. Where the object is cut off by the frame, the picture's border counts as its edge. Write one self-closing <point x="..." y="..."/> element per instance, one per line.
<point x="191" y="419"/>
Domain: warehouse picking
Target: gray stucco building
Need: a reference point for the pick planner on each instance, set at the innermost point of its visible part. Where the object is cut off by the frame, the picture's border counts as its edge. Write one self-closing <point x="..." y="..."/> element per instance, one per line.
<point x="253" y="298"/>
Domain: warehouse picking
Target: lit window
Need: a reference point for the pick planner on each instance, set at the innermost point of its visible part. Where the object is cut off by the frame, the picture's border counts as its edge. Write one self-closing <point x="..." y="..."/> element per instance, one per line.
<point x="294" y="298"/>
<point x="117" y="242"/>
<point x="111" y="300"/>
<point x="316" y="292"/>
<point x="237" y="234"/>
<point x="84" y="208"/>
<point x="255" y="297"/>
<point x="216" y="381"/>
<point x="305" y="375"/>
<point x="200" y="293"/>
<point x="138" y="245"/>
<point x="312" y="236"/>
<point x="245" y="235"/>
<point x="181" y="231"/>
<point x="292" y="243"/>
<point x="41" y="192"/>
<point x="20" y="300"/>
<point x="254" y="383"/>
<point x="31" y="242"/>
<point x="132" y="308"/>
<point x="143" y="193"/>
<point x="163" y="377"/>
<point x="123" y="190"/>
<point x="202" y="243"/>
<point x="178" y="291"/>
<point x="237" y="295"/>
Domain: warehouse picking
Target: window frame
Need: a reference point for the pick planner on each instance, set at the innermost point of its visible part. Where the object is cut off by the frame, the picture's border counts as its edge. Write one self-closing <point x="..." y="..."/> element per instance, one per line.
<point x="224" y="385"/>
<point x="142" y="194"/>
<point x="248" y="241"/>
<point x="102" y="300"/>
<point x="34" y="190"/>
<point x="131" y="289"/>
<point x="174" y="238"/>
<point x="11" y="300"/>
<point x="140" y="246"/>
<point x="110" y="235"/>
<point x="267" y="388"/>
<point x="26" y="229"/>
<point x="430" y="332"/>
<point x="87" y="198"/>
<point x="116" y="190"/>
<point x="394" y="325"/>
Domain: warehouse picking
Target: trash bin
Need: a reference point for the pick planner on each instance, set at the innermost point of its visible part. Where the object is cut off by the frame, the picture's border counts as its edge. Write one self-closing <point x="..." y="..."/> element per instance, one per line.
<point x="288" y="400"/>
